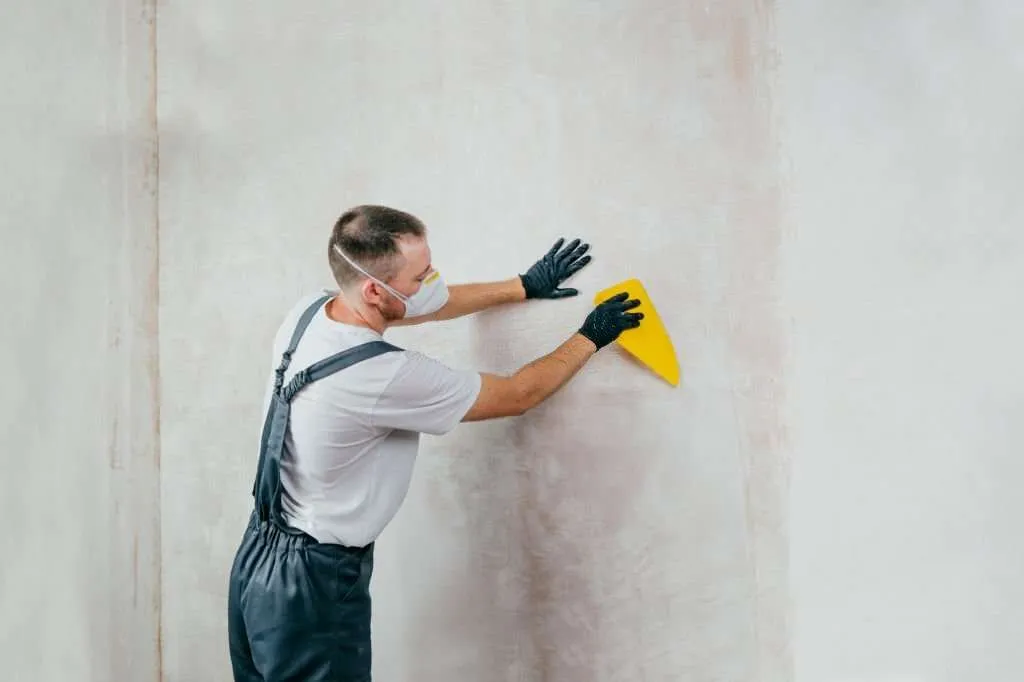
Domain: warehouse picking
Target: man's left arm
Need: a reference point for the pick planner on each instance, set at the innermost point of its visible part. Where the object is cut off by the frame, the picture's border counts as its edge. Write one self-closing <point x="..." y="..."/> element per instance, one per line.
<point x="542" y="280"/>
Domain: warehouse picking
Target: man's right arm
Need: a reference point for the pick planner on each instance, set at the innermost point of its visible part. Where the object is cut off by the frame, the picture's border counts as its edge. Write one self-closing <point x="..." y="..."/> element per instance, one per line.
<point x="502" y="396"/>
<point x="511" y="396"/>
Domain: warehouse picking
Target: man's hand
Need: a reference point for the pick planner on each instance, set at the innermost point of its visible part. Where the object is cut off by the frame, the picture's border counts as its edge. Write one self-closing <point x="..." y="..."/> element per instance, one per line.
<point x="609" y="319"/>
<point x="543" y="279"/>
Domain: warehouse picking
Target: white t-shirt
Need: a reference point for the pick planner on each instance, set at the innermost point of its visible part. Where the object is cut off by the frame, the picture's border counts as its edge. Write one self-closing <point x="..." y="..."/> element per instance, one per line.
<point x="353" y="436"/>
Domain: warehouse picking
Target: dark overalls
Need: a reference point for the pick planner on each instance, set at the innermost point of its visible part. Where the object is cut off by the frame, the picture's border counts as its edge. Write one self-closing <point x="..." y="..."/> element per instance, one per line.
<point x="298" y="609"/>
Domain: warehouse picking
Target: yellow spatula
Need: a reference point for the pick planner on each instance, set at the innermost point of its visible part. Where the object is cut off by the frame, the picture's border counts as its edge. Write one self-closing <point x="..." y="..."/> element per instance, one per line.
<point x="649" y="343"/>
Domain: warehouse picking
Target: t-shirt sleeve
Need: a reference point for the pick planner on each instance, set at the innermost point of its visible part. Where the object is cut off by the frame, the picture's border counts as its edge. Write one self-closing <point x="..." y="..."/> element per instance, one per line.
<point x="426" y="396"/>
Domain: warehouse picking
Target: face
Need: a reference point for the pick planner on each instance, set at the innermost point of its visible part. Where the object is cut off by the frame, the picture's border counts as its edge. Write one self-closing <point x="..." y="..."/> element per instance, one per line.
<point x="416" y="259"/>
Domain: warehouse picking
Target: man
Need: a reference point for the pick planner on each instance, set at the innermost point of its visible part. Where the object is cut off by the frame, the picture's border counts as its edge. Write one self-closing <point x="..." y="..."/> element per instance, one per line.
<point x="341" y="434"/>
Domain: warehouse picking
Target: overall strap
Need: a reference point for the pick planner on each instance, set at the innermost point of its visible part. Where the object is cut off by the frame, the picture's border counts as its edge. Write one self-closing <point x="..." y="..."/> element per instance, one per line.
<point x="286" y="360"/>
<point x="300" y="329"/>
<point x="335" y="363"/>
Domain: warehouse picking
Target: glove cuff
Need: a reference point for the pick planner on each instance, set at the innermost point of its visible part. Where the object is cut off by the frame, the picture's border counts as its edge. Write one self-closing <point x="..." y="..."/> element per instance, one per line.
<point x="585" y="333"/>
<point x="530" y="291"/>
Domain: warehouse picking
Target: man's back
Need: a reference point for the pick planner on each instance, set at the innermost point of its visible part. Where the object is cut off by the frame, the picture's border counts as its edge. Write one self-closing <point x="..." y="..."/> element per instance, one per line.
<point x="353" y="436"/>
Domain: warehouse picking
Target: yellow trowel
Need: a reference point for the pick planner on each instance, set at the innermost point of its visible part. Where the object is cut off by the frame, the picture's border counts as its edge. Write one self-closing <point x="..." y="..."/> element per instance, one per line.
<point x="649" y="343"/>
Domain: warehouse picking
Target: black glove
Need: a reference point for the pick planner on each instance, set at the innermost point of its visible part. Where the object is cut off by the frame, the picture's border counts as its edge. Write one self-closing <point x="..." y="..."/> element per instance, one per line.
<point x="542" y="280"/>
<point x="609" y="319"/>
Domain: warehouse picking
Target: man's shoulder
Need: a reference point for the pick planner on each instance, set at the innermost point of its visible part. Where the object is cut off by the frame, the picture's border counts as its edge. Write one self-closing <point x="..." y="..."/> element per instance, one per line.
<point x="304" y="301"/>
<point x="290" y="319"/>
<point x="426" y="395"/>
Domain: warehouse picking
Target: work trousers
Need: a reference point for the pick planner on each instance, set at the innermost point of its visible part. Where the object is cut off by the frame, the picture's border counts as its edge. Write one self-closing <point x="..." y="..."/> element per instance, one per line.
<point x="298" y="609"/>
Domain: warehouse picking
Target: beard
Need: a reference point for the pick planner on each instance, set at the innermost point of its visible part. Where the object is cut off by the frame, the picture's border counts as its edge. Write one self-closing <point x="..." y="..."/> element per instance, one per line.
<point x="393" y="310"/>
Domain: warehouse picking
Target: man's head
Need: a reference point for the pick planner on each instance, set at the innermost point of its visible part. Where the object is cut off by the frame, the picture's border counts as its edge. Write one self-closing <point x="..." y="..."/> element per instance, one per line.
<point x="371" y="243"/>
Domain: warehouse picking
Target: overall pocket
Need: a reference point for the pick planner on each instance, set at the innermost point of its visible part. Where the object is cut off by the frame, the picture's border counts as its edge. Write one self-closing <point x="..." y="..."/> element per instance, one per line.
<point x="340" y="571"/>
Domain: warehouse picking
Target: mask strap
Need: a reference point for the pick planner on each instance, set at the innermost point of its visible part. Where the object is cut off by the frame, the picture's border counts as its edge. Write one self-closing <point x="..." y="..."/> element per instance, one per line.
<point x="356" y="266"/>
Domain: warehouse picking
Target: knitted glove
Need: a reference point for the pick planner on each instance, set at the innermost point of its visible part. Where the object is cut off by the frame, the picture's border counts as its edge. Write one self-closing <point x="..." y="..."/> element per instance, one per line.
<point x="544" y="277"/>
<point x="609" y="319"/>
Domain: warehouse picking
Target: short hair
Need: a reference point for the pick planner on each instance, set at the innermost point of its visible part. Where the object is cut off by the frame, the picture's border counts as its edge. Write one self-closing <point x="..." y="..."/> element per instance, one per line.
<point x="369" y="236"/>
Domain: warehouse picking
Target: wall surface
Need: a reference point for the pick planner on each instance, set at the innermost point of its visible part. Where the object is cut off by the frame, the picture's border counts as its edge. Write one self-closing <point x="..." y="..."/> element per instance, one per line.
<point x="821" y="198"/>
<point x="79" y="569"/>
<point x="903" y="138"/>
<point x="625" y="530"/>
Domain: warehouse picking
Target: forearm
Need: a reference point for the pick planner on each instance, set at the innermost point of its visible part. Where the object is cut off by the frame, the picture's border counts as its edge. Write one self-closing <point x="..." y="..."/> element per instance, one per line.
<point x="466" y="299"/>
<point x="542" y="377"/>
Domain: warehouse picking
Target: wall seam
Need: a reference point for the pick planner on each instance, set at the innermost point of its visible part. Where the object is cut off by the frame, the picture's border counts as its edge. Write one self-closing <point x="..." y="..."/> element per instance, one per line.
<point x="154" y="133"/>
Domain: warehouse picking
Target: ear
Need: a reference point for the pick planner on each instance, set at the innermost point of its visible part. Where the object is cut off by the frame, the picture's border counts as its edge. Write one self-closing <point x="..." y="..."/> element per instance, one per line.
<point x="371" y="291"/>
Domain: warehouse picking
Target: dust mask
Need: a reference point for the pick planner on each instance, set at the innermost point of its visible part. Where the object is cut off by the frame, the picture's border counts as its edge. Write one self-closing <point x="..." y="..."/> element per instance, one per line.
<point x="430" y="298"/>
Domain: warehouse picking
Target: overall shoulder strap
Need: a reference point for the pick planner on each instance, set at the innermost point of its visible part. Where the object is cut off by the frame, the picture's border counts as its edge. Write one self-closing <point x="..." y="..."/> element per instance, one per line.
<point x="300" y="329"/>
<point x="347" y="358"/>
<point x="335" y="363"/>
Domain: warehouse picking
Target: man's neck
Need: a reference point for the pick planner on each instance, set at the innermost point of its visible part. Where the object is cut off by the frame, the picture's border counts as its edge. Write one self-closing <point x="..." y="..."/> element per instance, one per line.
<point x="339" y="311"/>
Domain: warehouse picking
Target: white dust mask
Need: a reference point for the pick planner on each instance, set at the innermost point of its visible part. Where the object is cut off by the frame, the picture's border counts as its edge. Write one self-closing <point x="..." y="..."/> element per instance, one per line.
<point x="430" y="298"/>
